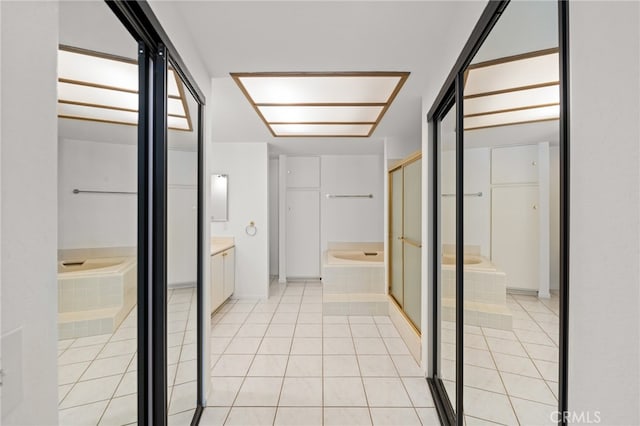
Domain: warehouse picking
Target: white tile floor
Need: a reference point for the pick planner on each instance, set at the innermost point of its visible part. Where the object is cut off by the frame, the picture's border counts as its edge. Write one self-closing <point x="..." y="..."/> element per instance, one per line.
<point x="510" y="376"/>
<point x="280" y="362"/>
<point x="97" y="374"/>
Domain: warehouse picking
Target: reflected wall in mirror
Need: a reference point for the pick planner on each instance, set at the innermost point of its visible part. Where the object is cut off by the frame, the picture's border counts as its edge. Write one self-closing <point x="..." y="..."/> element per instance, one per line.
<point x="510" y="220"/>
<point x="219" y="192"/>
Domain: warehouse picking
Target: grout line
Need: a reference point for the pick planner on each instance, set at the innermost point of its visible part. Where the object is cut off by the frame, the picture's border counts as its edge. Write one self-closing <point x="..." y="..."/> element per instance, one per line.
<point x="504" y="386"/>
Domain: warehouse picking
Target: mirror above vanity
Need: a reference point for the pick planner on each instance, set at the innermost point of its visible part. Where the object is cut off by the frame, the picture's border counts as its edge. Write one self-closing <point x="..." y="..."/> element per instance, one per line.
<point x="219" y="189"/>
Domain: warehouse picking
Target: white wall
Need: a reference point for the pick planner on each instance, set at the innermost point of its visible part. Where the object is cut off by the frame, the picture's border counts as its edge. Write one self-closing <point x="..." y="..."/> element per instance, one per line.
<point x="351" y="219"/>
<point x="604" y="330"/>
<point x="274" y="171"/>
<point x="247" y="167"/>
<point x="96" y="220"/>
<point x="29" y="214"/>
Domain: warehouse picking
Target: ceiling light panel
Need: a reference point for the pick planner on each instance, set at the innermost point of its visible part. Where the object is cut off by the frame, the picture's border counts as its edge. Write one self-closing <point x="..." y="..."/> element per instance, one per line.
<point x="97" y="70"/>
<point x="321" y="129"/>
<point x="512" y="74"/>
<point x="321" y="104"/>
<point x="512" y="100"/>
<point x="329" y="89"/>
<point x="512" y="117"/>
<point x="97" y="114"/>
<point x="101" y="87"/>
<point x="516" y="89"/>
<point x="320" y="114"/>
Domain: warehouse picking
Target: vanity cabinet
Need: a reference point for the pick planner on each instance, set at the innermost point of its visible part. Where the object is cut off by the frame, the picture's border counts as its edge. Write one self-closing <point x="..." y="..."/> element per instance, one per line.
<point x="222" y="277"/>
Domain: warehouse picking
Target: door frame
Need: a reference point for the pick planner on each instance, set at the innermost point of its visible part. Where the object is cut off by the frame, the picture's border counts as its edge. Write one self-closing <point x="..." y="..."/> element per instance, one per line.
<point x="450" y="93"/>
<point x="155" y="53"/>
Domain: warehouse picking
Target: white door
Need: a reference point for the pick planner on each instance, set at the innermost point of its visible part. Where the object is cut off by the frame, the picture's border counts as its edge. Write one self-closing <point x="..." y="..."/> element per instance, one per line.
<point x="514" y="234"/>
<point x="303" y="233"/>
<point x="182" y="231"/>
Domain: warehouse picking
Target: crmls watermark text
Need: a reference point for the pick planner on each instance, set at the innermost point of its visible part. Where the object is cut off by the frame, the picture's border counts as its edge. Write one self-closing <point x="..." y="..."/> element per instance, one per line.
<point x="576" y="417"/>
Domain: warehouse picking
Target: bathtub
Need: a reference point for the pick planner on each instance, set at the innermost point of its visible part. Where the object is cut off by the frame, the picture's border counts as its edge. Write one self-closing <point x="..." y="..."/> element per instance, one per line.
<point x="485" y="292"/>
<point x="99" y="266"/>
<point x="353" y="281"/>
<point x="95" y="295"/>
<point x="355" y="257"/>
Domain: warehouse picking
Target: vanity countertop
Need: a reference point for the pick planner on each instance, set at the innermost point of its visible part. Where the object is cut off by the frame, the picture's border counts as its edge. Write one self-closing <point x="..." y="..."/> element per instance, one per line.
<point x="220" y="244"/>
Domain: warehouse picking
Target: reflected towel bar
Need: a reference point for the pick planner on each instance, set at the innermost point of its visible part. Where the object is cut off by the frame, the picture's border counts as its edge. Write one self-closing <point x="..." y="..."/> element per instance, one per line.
<point x="82" y="191"/>
<point x="349" y="196"/>
<point x="473" y="194"/>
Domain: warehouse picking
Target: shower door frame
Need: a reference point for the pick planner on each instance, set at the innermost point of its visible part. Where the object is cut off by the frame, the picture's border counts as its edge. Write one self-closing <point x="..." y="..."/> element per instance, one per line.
<point x="155" y="52"/>
<point x="452" y="94"/>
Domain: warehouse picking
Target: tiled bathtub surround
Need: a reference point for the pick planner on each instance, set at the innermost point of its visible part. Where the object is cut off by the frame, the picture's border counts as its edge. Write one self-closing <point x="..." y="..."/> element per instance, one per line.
<point x="353" y="288"/>
<point x="485" y="293"/>
<point x="96" y="301"/>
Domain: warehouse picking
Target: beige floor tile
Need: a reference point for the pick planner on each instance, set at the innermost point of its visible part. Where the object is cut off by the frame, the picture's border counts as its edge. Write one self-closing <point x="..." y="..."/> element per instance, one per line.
<point x="343" y="416"/>
<point x="82" y="415"/>
<point x="268" y="365"/>
<point x="306" y="346"/>
<point x="394" y="417"/>
<point x="386" y="392"/>
<point x="91" y="391"/>
<point x="214" y="416"/>
<point x="377" y="366"/>
<point x="528" y="388"/>
<point x="344" y="392"/>
<point x="294" y="416"/>
<point x="259" y="392"/>
<point x="302" y="392"/>
<point x="370" y="346"/>
<point x="254" y="416"/>
<point x="418" y="391"/>
<point x="224" y="390"/>
<point x="341" y="366"/>
<point x="121" y="411"/>
<point x="232" y="365"/>
<point x="304" y="366"/>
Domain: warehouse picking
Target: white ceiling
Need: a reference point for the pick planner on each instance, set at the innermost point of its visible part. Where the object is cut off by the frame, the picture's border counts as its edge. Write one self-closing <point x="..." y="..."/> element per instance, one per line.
<point x="268" y="36"/>
<point x="243" y="36"/>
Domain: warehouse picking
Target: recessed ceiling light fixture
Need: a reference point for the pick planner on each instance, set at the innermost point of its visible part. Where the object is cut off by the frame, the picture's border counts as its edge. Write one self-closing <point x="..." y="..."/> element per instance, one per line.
<point x="338" y="104"/>
<point x="516" y="89"/>
<point x="100" y="87"/>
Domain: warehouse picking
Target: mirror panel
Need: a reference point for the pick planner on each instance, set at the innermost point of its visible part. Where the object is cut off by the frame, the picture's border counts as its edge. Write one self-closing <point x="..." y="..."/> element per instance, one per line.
<point x="510" y="206"/>
<point x="97" y="225"/>
<point x="219" y="194"/>
<point x="182" y="272"/>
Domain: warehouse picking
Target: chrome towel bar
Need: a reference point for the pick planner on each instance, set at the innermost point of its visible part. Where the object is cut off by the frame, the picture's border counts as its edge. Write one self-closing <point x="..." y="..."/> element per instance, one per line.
<point x="473" y="194"/>
<point x="83" y="191"/>
<point x="349" y="196"/>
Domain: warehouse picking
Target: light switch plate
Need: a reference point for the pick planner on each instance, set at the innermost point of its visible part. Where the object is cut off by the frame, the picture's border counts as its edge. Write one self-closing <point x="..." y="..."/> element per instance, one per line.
<point x="12" y="388"/>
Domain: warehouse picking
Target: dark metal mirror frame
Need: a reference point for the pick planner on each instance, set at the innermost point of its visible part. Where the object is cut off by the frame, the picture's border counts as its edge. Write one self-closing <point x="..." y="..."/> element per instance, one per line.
<point x="155" y="52"/>
<point x="450" y="94"/>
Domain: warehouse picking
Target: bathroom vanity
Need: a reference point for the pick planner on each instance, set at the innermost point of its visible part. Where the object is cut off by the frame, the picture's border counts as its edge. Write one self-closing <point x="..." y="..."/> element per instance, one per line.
<point x="222" y="271"/>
